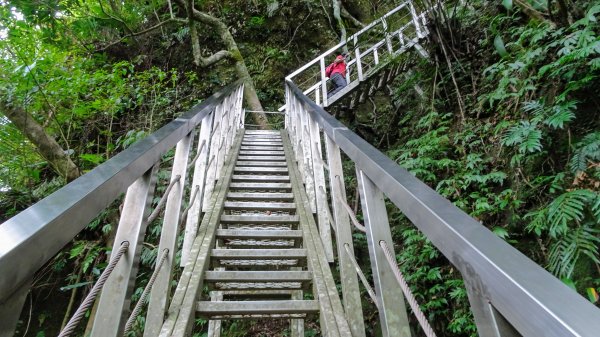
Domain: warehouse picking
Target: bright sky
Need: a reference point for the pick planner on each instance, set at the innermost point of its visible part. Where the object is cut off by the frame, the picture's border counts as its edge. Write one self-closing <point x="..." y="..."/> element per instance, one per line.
<point x="15" y="14"/>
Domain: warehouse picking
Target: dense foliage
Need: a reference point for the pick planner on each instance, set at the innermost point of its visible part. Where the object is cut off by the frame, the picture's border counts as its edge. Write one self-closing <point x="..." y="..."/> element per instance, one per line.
<point x="510" y="134"/>
<point x="502" y="120"/>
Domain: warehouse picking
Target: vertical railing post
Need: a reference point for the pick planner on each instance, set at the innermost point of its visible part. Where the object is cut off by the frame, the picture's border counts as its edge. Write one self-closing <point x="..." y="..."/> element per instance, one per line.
<point x="323" y="80"/>
<point x="240" y="111"/>
<point x="415" y="20"/>
<point x="321" y="197"/>
<point x="307" y="158"/>
<point x="343" y="235"/>
<point x="198" y="182"/>
<point x="211" y="173"/>
<point x="359" y="69"/>
<point x="388" y="40"/>
<point x="113" y="307"/>
<point x="222" y="150"/>
<point x="161" y="289"/>
<point x="490" y="323"/>
<point x="392" y="310"/>
<point x="11" y="308"/>
<point x="288" y="110"/>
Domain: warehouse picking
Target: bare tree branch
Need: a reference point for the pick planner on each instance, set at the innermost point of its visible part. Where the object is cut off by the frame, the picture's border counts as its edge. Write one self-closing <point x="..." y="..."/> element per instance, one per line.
<point x="45" y="144"/>
<point x="349" y="16"/>
<point x="158" y="25"/>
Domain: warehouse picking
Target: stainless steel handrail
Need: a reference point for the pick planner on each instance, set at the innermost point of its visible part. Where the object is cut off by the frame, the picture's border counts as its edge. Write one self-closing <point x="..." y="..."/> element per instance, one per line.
<point x="31" y="238"/>
<point x="507" y="290"/>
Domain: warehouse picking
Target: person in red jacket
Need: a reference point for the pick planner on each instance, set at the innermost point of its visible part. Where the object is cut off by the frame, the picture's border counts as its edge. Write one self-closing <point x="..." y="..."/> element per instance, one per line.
<point x="337" y="73"/>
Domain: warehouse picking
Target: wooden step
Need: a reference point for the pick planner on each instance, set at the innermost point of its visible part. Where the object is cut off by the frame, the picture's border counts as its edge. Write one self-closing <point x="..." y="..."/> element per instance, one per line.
<point x="280" y="158"/>
<point x="260" y="219"/>
<point x="260" y="153"/>
<point x="260" y="234"/>
<point x="260" y="206"/>
<point x="255" y="309"/>
<point x="247" y="163"/>
<point x="260" y="196"/>
<point x="259" y="178"/>
<point x="258" y="170"/>
<point x="262" y="143"/>
<point x="257" y="276"/>
<point x="262" y="132"/>
<point x="261" y="148"/>
<point x="258" y="254"/>
<point x="261" y="186"/>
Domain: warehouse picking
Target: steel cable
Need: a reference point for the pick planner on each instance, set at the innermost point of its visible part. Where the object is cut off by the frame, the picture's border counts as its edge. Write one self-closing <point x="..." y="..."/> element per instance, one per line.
<point x="161" y="202"/>
<point x="91" y="297"/>
<point x="357" y="224"/>
<point x="406" y="290"/>
<point x="362" y="277"/>
<point x="140" y="302"/>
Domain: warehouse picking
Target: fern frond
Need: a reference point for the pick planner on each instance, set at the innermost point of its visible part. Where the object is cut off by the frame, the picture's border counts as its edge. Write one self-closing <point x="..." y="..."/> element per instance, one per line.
<point x="533" y="107"/>
<point x="588" y="149"/>
<point x="565" y="252"/>
<point x="567" y="209"/>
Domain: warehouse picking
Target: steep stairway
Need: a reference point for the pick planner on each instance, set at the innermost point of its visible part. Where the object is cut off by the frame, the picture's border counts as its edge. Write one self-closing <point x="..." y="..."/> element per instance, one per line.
<point x="266" y="256"/>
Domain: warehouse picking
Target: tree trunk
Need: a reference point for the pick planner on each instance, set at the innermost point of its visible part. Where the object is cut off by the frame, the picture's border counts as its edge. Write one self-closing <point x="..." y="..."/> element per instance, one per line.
<point x="240" y="66"/>
<point x="45" y="144"/>
<point x="338" y="18"/>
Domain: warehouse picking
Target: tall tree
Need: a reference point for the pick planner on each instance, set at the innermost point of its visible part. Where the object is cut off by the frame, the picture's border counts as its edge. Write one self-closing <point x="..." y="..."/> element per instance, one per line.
<point x="232" y="52"/>
<point x="46" y="144"/>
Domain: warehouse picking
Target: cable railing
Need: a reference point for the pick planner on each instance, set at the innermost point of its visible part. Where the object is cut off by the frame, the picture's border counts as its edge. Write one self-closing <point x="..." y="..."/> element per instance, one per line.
<point x="369" y="49"/>
<point x="30" y="239"/>
<point x="509" y="294"/>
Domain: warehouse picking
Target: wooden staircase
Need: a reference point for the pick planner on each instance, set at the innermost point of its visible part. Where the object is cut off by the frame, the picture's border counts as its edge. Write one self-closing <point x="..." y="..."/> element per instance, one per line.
<point x="263" y="252"/>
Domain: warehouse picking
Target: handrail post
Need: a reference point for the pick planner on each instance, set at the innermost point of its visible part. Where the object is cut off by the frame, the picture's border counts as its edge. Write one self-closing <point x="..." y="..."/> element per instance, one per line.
<point x="211" y="173"/>
<point x="359" y="69"/>
<point x="488" y="320"/>
<point x="415" y="20"/>
<point x="159" y="294"/>
<point x="388" y="40"/>
<point x="113" y="307"/>
<point x="323" y="81"/>
<point x="321" y="198"/>
<point x="392" y="310"/>
<point x="10" y="310"/>
<point x="343" y="234"/>
<point x="307" y="158"/>
<point x="198" y="181"/>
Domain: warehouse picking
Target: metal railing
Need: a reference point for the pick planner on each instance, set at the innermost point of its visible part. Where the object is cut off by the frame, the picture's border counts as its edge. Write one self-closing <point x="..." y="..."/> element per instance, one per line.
<point x="509" y="294"/>
<point x="370" y="48"/>
<point x="33" y="237"/>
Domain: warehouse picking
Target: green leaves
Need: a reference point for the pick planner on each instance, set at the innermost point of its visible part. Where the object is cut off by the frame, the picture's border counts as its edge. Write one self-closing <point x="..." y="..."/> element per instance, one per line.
<point x="568" y="209"/>
<point x="525" y="136"/>
<point x="565" y="253"/>
<point x="587" y="151"/>
<point x="508" y="4"/>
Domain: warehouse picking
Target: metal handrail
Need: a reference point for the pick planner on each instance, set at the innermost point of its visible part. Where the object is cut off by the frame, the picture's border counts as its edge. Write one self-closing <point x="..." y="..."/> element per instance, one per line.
<point x="507" y="290"/>
<point x="31" y="238"/>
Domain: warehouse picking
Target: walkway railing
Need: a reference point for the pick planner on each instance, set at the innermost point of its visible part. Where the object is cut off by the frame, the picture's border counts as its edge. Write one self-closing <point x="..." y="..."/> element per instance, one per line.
<point x="510" y="295"/>
<point x="370" y="48"/>
<point x="33" y="237"/>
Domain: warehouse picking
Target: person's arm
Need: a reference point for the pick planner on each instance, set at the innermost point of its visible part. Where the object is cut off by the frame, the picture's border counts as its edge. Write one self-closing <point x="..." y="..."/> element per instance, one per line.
<point x="328" y="70"/>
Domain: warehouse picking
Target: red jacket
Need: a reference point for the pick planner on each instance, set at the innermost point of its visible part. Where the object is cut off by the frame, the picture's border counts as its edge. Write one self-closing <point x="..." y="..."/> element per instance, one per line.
<point x="336" y="68"/>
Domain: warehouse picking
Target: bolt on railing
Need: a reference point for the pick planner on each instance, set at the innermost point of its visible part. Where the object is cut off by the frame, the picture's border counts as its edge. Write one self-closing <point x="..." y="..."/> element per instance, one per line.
<point x="509" y="294"/>
<point x="29" y="239"/>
